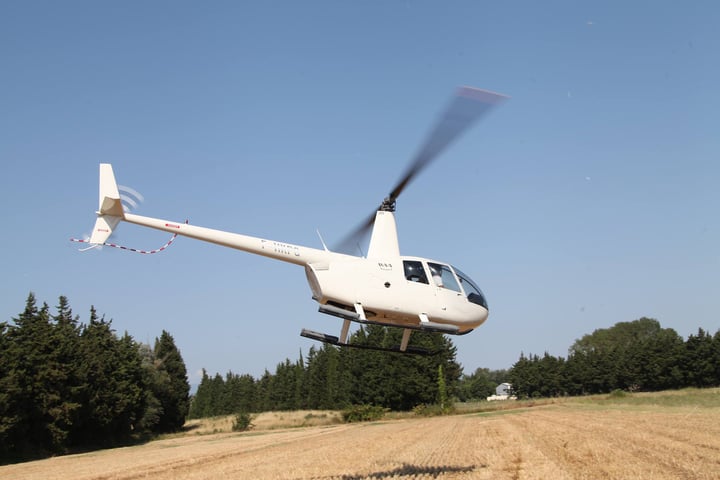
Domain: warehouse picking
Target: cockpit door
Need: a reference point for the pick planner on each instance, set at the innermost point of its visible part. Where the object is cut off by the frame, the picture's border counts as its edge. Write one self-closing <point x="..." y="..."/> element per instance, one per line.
<point x="446" y="286"/>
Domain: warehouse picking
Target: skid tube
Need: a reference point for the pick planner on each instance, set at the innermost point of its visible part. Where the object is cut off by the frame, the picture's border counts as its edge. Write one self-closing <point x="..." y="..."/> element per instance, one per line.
<point x="333" y="340"/>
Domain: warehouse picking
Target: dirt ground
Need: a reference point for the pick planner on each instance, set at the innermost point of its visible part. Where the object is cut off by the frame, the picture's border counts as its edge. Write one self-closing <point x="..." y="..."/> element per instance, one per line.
<point x="555" y="441"/>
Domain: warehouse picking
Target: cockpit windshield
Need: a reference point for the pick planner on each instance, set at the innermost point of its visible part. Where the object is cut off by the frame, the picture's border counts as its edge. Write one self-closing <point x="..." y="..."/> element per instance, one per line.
<point x="442" y="276"/>
<point x="473" y="292"/>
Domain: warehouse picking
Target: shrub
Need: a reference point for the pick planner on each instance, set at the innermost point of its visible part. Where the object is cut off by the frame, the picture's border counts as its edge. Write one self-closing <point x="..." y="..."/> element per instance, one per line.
<point x="434" y="410"/>
<point x="618" y="393"/>
<point x="363" y="413"/>
<point x="243" y="422"/>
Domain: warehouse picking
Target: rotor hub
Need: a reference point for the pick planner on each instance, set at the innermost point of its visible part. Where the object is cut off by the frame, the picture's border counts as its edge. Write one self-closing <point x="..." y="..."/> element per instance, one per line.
<point x="388" y="205"/>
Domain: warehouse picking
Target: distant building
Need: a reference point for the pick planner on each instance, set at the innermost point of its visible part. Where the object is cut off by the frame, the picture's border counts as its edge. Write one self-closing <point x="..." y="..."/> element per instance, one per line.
<point x="502" y="392"/>
<point x="503" y="389"/>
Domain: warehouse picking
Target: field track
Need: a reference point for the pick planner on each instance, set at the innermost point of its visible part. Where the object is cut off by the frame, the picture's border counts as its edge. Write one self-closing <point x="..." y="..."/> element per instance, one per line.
<point x="543" y="442"/>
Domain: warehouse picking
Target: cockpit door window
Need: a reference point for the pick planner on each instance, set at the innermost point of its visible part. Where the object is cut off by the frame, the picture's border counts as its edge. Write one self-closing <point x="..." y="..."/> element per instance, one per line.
<point x="443" y="277"/>
<point x="414" y="271"/>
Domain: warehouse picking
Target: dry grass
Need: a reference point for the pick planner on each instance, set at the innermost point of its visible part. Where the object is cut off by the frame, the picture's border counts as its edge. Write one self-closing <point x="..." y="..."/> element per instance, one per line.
<point x="265" y="421"/>
<point x="563" y="439"/>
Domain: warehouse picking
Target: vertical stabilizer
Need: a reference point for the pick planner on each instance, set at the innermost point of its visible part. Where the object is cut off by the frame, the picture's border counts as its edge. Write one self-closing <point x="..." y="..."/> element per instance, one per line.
<point x="110" y="209"/>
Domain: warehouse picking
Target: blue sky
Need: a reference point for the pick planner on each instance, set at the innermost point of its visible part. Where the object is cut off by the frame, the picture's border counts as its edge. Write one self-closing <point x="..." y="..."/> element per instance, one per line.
<point x="588" y="199"/>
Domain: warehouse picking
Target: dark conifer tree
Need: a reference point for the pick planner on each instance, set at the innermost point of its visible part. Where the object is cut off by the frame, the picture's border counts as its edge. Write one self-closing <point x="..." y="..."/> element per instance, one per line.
<point x="41" y="422"/>
<point x="152" y="381"/>
<point x="174" y="399"/>
<point x="68" y="381"/>
<point x="10" y="394"/>
<point x="113" y="399"/>
<point x="699" y="362"/>
<point x="200" y="402"/>
<point x="264" y="391"/>
<point x="240" y="391"/>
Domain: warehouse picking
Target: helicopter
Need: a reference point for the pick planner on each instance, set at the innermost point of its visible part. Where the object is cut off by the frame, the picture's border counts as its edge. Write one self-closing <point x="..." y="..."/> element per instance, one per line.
<point x="382" y="287"/>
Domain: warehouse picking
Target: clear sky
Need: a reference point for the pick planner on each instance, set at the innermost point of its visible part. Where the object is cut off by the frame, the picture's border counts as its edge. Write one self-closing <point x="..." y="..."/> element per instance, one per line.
<point x="590" y="198"/>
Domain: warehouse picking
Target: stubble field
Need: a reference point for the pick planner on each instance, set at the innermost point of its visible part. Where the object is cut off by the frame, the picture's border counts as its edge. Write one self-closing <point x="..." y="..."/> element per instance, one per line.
<point x="640" y="437"/>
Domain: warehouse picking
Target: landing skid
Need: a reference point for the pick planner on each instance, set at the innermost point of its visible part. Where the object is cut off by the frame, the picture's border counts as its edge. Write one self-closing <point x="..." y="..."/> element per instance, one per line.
<point x="333" y="340"/>
<point x="357" y="314"/>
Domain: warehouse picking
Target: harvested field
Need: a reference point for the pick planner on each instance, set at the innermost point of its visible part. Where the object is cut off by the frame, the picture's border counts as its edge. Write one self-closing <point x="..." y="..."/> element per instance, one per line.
<point x="567" y="439"/>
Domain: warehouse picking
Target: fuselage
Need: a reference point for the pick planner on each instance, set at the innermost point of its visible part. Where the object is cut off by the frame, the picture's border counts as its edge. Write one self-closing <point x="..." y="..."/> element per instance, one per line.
<point x="396" y="290"/>
<point x="399" y="290"/>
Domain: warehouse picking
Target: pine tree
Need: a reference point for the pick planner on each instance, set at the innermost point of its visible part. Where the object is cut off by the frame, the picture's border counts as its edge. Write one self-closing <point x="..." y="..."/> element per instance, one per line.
<point x="9" y="394"/>
<point x="200" y="403"/>
<point x="40" y="424"/>
<point x="68" y="382"/>
<point x="175" y="398"/>
<point x="393" y="380"/>
<point x="264" y="390"/>
<point x="113" y="399"/>
<point x="698" y="360"/>
<point x="240" y="393"/>
<point x="152" y="381"/>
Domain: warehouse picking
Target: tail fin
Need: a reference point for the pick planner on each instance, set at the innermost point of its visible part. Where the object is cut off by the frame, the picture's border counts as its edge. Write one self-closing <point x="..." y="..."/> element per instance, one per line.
<point x="110" y="210"/>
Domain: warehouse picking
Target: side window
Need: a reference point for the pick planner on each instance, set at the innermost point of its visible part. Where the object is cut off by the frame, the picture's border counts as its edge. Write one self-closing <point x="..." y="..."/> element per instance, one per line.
<point x="443" y="276"/>
<point x="414" y="271"/>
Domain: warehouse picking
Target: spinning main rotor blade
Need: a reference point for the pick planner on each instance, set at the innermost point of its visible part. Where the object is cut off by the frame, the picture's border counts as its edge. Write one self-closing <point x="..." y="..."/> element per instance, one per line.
<point x="466" y="107"/>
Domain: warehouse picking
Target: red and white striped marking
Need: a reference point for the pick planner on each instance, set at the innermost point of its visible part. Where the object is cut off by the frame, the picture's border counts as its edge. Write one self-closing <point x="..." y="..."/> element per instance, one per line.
<point x="122" y="247"/>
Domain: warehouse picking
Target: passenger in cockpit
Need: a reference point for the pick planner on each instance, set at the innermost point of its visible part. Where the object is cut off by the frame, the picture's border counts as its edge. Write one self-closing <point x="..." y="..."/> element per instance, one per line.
<point x="436" y="275"/>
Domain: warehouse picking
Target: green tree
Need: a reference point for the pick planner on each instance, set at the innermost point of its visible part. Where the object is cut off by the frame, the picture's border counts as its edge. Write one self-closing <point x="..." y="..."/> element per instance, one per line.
<point x="241" y="392"/>
<point x="63" y="384"/>
<point x="699" y="360"/>
<point x="152" y="381"/>
<point x="658" y="362"/>
<point x="264" y="389"/>
<point x="200" y="402"/>
<point x="523" y="376"/>
<point x="325" y="378"/>
<point x="479" y="385"/>
<point x="175" y="396"/>
<point x="628" y="355"/>
<point x="10" y="395"/>
<point x="113" y="399"/>
<point x="399" y="381"/>
<point x="284" y="387"/>
<point x="716" y="357"/>
<point x="40" y="386"/>
<point x="442" y="398"/>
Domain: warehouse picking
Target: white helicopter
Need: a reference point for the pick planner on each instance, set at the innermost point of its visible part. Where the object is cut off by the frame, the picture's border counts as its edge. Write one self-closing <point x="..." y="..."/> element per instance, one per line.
<point x="383" y="287"/>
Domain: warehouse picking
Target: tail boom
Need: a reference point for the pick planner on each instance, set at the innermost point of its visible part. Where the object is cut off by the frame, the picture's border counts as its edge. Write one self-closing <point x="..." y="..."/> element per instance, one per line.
<point x="286" y="252"/>
<point x="111" y="213"/>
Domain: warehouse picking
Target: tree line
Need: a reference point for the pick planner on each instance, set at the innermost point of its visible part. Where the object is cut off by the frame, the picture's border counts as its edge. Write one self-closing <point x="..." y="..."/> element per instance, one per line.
<point x="66" y="385"/>
<point x="632" y="356"/>
<point x="336" y="378"/>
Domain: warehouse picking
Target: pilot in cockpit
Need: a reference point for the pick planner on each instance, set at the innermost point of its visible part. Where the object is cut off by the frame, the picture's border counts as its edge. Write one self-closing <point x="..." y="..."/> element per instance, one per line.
<point x="436" y="275"/>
